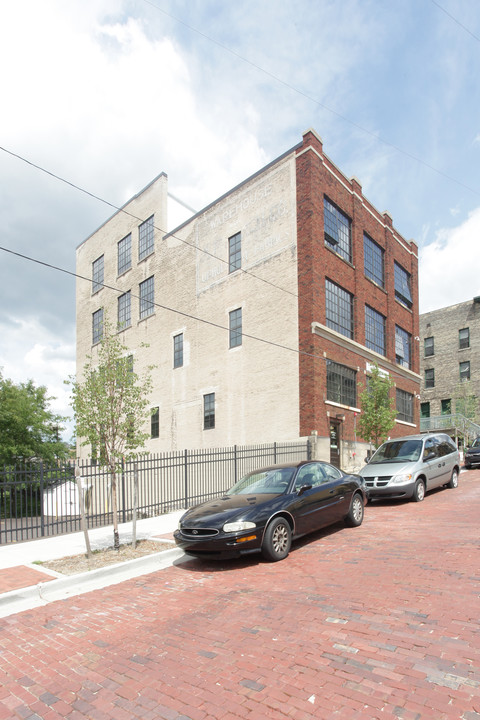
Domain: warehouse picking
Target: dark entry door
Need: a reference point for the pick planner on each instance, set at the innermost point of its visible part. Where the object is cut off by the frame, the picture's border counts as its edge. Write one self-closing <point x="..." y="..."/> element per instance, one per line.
<point x="335" y="442"/>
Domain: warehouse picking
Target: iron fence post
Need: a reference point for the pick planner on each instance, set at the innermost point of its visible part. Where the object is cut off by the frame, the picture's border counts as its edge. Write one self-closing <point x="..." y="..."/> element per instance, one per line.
<point x="123" y="491"/>
<point x="185" y="477"/>
<point x="42" y="516"/>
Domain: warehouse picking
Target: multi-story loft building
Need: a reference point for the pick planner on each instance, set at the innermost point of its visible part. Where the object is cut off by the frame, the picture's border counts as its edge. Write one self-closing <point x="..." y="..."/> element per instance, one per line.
<point x="449" y="362"/>
<point x="264" y="312"/>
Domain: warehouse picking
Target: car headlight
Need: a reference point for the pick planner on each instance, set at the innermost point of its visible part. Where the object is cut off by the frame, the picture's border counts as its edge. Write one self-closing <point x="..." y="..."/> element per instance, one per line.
<point x="239" y="525"/>
<point x="401" y="479"/>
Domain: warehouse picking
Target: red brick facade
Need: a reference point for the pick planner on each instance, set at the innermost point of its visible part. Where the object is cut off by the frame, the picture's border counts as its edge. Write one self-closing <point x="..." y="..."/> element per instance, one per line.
<point x="318" y="177"/>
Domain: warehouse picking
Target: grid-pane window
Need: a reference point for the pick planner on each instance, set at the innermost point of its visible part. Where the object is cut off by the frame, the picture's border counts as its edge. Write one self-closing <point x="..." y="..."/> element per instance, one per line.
<point x="464" y="338"/>
<point x="403" y="344"/>
<point x="374" y="264"/>
<point x="428" y="347"/>
<point x="124" y="318"/>
<point x="337" y="229"/>
<point x="425" y="410"/>
<point x="147" y="297"/>
<point x="209" y="411"/>
<point x="341" y="384"/>
<point x="465" y="370"/>
<point x="145" y="238"/>
<point x="235" y="252"/>
<point x="97" y="326"/>
<point x="374" y="330"/>
<point x="124" y="254"/>
<point x="155" y="423"/>
<point x="429" y="378"/>
<point x="97" y="274"/>
<point x="339" y="309"/>
<point x="178" y="350"/>
<point x="404" y="406"/>
<point x="403" y="291"/>
<point x="235" y="327"/>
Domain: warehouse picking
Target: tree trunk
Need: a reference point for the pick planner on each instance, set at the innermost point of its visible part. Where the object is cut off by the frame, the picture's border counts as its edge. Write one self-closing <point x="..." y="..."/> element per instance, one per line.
<point x="116" y="537"/>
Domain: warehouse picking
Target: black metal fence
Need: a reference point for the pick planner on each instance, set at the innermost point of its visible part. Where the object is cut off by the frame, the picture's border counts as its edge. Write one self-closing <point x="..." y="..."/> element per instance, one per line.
<point x="38" y="501"/>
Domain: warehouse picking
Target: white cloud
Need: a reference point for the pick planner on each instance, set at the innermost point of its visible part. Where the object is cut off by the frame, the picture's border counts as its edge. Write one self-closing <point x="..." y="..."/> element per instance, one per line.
<point x="448" y="266"/>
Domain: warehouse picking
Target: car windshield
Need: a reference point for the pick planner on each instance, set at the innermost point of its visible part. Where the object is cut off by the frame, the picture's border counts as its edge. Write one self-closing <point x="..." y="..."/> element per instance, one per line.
<point x="476" y="443"/>
<point x="274" y="481"/>
<point x="397" y="451"/>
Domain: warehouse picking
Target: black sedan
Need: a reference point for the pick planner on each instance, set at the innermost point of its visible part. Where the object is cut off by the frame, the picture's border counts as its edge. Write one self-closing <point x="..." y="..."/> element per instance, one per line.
<point x="268" y="508"/>
<point x="472" y="454"/>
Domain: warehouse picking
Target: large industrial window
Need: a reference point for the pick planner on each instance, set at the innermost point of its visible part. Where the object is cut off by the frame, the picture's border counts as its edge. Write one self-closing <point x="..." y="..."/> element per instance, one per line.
<point x="235" y="252"/>
<point x="404" y="406"/>
<point x="403" y="292"/>
<point x="97" y="326"/>
<point x="124" y="254"/>
<point x="339" y="309"/>
<point x="147" y="297"/>
<point x="235" y="327"/>
<point x="97" y="274"/>
<point x="145" y="238"/>
<point x="341" y="384"/>
<point x="374" y="330"/>
<point x="373" y="258"/>
<point x="403" y="344"/>
<point x="124" y="318"/>
<point x="337" y="230"/>
<point x="209" y="411"/>
<point x="178" y="350"/>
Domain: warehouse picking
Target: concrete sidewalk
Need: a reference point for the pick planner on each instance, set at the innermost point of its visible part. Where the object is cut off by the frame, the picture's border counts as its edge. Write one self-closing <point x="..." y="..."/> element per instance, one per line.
<point x="25" y="585"/>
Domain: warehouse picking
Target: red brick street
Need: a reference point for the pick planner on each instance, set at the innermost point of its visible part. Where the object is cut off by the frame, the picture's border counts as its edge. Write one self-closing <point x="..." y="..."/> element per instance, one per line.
<point x="381" y="621"/>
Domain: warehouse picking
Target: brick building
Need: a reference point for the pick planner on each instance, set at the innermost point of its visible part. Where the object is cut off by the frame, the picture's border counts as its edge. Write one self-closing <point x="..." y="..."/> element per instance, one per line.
<point x="263" y="312"/>
<point x="449" y="363"/>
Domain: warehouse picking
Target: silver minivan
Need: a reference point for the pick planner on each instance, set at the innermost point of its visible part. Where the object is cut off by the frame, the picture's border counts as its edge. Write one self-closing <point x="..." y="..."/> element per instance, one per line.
<point x="409" y="466"/>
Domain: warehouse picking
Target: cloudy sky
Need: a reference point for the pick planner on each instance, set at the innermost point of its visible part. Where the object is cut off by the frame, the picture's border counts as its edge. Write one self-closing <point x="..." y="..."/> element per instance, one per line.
<point x="106" y="94"/>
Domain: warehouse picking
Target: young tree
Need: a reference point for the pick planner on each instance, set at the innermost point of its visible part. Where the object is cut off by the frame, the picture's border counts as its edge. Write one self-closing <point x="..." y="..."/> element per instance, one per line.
<point x="378" y="408"/>
<point x="29" y="430"/>
<point x="466" y="402"/>
<point x="110" y="407"/>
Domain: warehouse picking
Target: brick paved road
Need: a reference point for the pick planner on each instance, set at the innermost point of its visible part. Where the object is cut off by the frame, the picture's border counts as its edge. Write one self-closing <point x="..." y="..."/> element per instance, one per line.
<point x="381" y="621"/>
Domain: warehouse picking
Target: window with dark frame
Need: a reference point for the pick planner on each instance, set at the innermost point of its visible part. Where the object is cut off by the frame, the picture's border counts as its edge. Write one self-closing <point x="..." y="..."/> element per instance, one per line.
<point x="403" y="344"/>
<point x="146" y="240"/>
<point x="425" y="409"/>
<point x="341" y="384"/>
<point x="98" y="266"/>
<point x="124" y="317"/>
<point x="447" y="407"/>
<point x="97" y="326"/>
<point x="235" y="328"/>
<point x="374" y="330"/>
<point x="464" y="370"/>
<point x="147" y="297"/>
<point x="373" y="259"/>
<point x="124" y="254"/>
<point x="429" y="347"/>
<point x="404" y="406"/>
<point x="403" y="292"/>
<point x="430" y="378"/>
<point x="337" y="230"/>
<point x="155" y="423"/>
<point x="178" y="350"/>
<point x="338" y="309"/>
<point x="235" y="252"/>
<point x="209" y="411"/>
<point x="464" y="338"/>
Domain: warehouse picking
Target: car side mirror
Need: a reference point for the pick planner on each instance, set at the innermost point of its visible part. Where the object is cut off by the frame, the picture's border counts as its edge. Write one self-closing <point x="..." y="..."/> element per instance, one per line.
<point x="367" y="459"/>
<point x="304" y="489"/>
<point x="429" y="456"/>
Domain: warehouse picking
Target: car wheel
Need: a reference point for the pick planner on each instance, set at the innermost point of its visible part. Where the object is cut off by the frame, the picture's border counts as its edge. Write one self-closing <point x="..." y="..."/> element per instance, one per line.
<point x="454" y="479"/>
<point x="419" y="492"/>
<point x="355" y="514"/>
<point x="277" y="540"/>
<point x="467" y="466"/>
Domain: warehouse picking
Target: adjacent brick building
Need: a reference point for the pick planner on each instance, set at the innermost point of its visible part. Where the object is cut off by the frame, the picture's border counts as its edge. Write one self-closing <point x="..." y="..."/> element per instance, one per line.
<point x="264" y="312"/>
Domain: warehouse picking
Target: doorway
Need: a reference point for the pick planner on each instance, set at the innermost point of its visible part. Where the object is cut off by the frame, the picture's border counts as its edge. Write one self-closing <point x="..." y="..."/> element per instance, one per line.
<point x="335" y="442"/>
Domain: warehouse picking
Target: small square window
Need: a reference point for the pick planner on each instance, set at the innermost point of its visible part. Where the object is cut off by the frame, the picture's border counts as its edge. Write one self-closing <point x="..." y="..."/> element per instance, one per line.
<point x="209" y="411"/>
<point x="464" y="338"/>
<point x="155" y="423"/>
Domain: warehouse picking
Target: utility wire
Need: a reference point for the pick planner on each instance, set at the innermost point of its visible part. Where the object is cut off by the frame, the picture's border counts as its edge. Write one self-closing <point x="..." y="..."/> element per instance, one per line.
<point x="139" y="219"/>
<point x="475" y="37"/>
<point x="307" y="96"/>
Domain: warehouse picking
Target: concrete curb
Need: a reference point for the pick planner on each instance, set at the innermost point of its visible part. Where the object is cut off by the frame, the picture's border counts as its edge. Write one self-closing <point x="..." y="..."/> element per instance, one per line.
<point x="71" y="585"/>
